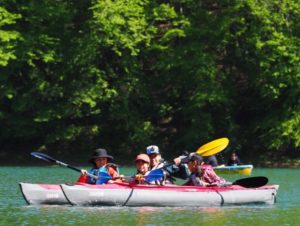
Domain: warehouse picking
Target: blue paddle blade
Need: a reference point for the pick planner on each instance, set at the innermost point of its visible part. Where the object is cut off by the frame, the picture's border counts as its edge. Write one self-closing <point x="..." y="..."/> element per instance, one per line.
<point x="43" y="156"/>
<point x="154" y="175"/>
<point x="103" y="178"/>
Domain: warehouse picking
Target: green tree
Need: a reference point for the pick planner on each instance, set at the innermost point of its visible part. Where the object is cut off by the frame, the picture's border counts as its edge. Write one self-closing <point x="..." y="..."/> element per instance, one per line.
<point x="8" y="36"/>
<point x="262" y="54"/>
<point x="124" y="74"/>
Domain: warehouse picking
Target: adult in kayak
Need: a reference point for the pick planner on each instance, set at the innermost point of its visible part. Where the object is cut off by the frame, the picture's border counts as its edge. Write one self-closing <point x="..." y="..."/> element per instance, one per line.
<point x="142" y="164"/>
<point x="201" y="174"/>
<point x="212" y="160"/>
<point x="174" y="169"/>
<point x="101" y="163"/>
<point x="233" y="160"/>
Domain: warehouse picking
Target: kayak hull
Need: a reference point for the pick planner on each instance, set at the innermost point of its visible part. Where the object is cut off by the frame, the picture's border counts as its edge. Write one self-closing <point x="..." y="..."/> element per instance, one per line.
<point x="239" y="169"/>
<point x="123" y="194"/>
<point x="171" y="196"/>
<point x="37" y="194"/>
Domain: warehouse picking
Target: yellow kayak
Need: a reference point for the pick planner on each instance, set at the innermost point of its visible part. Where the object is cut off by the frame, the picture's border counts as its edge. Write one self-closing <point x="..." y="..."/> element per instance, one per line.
<point x="239" y="169"/>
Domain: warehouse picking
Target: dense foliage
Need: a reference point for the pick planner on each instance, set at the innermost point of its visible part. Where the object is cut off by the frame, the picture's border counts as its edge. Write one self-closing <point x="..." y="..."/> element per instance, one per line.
<point x="123" y="74"/>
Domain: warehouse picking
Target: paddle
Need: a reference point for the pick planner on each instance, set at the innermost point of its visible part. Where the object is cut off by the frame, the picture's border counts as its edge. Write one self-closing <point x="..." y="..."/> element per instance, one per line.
<point x="103" y="178"/>
<point x="50" y="159"/>
<point x="153" y="175"/>
<point x="213" y="147"/>
<point x="251" y="182"/>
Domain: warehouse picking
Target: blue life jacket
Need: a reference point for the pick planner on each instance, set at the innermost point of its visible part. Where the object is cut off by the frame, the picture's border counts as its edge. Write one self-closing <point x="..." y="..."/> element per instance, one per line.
<point x="103" y="169"/>
<point x="96" y="171"/>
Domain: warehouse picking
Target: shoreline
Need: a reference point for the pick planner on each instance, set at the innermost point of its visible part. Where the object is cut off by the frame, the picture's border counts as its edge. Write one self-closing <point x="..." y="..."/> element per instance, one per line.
<point x="257" y="165"/>
<point x="279" y="165"/>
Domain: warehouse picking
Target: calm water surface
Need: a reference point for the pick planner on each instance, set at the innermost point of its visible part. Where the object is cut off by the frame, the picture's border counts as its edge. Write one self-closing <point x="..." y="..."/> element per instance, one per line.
<point x="15" y="211"/>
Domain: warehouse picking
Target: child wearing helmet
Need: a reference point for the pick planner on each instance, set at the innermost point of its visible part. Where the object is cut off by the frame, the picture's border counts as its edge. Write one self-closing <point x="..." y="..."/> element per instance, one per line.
<point x="171" y="170"/>
<point x="156" y="161"/>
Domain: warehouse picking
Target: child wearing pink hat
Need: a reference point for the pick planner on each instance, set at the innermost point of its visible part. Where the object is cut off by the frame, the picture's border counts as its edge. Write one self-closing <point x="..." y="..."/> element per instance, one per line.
<point x="142" y="164"/>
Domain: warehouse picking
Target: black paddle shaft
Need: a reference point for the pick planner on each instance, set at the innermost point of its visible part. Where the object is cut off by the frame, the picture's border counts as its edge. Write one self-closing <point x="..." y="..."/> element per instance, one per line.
<point x="67" y="165"/>
<point x="50" y="159"/>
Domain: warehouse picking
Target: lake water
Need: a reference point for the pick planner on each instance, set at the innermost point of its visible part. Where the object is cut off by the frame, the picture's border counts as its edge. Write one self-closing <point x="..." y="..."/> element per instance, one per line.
<point x="15" y="211"/>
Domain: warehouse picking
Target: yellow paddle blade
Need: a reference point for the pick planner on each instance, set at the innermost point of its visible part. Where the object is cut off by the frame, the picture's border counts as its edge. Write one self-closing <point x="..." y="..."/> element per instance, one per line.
<point x="213" y="147"/>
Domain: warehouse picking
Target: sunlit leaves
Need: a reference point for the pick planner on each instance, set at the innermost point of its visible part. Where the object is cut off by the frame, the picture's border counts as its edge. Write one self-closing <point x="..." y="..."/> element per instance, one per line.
<point x="7" y="36"/>
<point x="121" y="24"/>
<point x="268" y="47"/>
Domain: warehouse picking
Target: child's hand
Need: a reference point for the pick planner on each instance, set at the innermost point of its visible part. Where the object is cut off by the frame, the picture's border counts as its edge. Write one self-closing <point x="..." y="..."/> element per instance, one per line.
<point x="83" y="172"/>
<point x="139" y="177"/>
<point x="205" y="184"/>
<point x="177" y="161"/>
<point x="122" y="177"/>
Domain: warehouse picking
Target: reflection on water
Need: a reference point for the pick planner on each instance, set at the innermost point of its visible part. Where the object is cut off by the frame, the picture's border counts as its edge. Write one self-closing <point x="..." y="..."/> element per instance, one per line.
<point x="14" y="211"/>
<point x="69" y="215"/>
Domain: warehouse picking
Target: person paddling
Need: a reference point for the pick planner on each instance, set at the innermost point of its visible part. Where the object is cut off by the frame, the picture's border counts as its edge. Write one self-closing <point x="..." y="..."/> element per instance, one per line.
<point x="202" y="174"/>
<point x="101" y="163"/>
<point x="156" y="161"/>
<point x="212" y="160"/>
<point x="174" y="169"/>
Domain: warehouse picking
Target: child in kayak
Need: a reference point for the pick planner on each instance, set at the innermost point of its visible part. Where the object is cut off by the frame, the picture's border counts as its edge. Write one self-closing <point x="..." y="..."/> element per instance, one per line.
<point x="201" y="174"/>
<point x="101" y="163"/>
<point x="156" y="161"/>
<point x="142" y="163"/>
<point x="174" y="169"/>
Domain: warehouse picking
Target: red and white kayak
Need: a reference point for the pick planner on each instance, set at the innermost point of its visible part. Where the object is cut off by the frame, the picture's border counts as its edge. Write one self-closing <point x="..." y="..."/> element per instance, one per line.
<point x="123" y="194"/>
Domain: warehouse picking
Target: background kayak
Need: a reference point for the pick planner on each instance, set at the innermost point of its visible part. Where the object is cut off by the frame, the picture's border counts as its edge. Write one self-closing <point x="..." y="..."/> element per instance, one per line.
<point x="239" y="169"/>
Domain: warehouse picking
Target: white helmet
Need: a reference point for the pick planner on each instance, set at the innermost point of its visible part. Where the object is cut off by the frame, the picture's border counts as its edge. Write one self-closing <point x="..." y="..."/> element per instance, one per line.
<point x="152" y="149"/>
